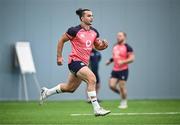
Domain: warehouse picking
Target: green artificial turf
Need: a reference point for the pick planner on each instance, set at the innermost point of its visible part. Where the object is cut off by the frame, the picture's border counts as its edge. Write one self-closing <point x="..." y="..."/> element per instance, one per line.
<point x="59" y="112"/>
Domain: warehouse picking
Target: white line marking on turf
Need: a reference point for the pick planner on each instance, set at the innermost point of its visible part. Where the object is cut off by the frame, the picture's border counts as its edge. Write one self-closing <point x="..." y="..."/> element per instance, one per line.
<point x="131" y="114"/>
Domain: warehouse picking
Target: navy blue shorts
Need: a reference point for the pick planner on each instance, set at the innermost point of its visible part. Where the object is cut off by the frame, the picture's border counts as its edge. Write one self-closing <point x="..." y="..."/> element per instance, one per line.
<point x="75" y="66"/>
<point x="120" y="75"/>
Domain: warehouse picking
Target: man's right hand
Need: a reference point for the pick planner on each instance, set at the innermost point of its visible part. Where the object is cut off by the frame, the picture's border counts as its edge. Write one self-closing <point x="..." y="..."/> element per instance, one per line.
<point x="59" y="60"/>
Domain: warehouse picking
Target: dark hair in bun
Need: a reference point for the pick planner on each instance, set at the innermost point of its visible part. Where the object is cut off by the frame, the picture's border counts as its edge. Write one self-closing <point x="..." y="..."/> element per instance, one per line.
<point x="80" y="12"/>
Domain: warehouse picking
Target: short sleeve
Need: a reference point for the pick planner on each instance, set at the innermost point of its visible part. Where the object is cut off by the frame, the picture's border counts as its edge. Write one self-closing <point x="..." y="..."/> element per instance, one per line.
<point x="71" y="32"/>
<point x="97" y="36"/>
<point x="111" y="59"/>
<point x="129" y="48"/>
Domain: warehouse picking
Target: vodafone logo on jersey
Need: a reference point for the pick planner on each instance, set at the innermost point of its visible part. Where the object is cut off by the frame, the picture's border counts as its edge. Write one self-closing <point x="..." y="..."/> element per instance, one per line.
<point x="88" y="43"/>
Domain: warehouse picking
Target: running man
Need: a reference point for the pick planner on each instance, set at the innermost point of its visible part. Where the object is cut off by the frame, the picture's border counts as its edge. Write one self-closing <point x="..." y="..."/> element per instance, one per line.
<point x="82" y="37"/>
<point x="122" y="56"/>
<point x="95" y="58"/>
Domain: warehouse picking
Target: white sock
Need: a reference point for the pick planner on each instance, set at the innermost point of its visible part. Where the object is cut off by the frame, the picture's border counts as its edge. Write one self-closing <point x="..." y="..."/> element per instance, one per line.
<point x="54" y="90"/>
<point x="93" y="98"/>
<point x="123" y="102"/>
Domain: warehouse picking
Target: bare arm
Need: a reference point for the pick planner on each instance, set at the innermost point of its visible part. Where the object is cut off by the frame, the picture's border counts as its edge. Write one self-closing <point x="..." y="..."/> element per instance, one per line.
<point x="109" y="61"/>
<point x="60" y="46"/>
<point x="130" y="59"/>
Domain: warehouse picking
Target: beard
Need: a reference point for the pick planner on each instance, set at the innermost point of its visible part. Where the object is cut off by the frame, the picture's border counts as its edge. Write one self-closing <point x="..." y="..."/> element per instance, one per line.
<point x="88" y="23"/>
<point x="120" y="41"/>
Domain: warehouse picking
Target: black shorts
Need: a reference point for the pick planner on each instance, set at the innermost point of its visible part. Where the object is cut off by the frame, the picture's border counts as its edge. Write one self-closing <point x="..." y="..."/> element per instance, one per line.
<point x="75" y="66"/>
<point x="120" y="75"/>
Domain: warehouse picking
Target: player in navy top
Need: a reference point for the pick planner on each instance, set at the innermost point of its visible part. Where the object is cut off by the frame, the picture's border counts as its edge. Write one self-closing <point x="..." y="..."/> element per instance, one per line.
<point x="95" y="58"/>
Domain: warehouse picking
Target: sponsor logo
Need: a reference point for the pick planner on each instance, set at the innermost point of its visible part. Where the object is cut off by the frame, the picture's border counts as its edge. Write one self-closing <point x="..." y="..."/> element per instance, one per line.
<point x="123" y="77"/>
<point x="88" y="43"/>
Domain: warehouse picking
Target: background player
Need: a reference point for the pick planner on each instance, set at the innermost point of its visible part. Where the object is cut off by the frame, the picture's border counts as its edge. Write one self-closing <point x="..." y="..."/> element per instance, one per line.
<point x="83" y="37"/>
<point x="95" y="58"/>
<point x="122" y="56"/>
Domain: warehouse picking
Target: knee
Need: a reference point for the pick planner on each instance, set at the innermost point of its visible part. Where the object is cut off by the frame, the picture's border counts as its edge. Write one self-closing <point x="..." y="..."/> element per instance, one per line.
<point x="111" y="86"/>
<point x="122" y="86"/>
<point x="92" y="80"/>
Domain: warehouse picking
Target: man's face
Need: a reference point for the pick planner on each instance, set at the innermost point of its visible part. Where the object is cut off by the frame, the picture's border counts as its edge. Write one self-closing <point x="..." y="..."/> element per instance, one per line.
<point x="121" y="37"/>
<point x="87" y="18"/>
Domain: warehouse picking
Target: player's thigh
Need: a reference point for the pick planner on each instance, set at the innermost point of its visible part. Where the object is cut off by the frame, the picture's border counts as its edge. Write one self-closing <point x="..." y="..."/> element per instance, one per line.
<point x="73" y="81"/>
<point x="86" y="75"/>
<point x="113" y="82"/>
<point x="122" y="83"/>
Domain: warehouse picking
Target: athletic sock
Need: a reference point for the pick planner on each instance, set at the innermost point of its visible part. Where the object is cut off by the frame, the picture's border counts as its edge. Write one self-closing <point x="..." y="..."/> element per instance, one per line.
<point x="54" y="90"/>
<point x="123" y="102"/>
<point x="93" y="98"/>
